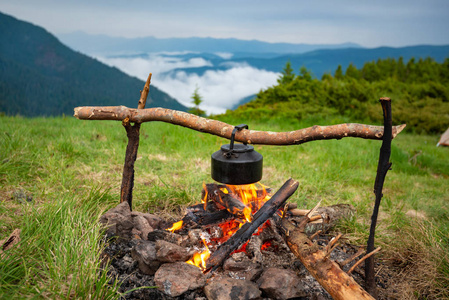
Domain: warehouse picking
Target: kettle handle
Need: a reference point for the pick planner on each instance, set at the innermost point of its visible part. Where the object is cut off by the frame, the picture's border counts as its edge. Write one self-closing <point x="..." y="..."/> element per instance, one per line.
<point x="236" y="128"/>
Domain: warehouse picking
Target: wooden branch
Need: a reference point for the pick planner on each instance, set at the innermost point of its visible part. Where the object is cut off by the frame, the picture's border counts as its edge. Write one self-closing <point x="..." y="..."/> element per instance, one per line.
<point x="133" y="133"/>
<point x="245" y="232"/>
<point x="383" y="166"/>
<point x="354" y="256"/>
<point x="332" y="278"/>
<point x="224" y="130"/>
<point x="363" y="258"/>
<point x="144" y="93"/>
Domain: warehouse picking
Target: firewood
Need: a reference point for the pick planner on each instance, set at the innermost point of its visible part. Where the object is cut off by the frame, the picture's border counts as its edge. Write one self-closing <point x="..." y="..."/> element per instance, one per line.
<point x="196" y="216"/>
<point x="327" y="272"/>
<point x="253" y="249"/>
<point x="245" y="232"/>
<point x="213" y="192"/>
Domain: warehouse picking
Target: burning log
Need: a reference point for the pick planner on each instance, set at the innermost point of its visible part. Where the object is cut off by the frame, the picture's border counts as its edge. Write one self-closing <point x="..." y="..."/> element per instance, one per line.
<point x="196" y="215"/>
<point x="120" y="113"/>
<point x="226" y="200"/>
<point x="246" y="231"/>
<point x="327" y="272"/>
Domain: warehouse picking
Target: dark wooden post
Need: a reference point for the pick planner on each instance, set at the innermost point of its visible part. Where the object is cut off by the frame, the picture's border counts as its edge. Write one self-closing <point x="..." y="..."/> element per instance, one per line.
<point x="133" y="134"/>
<point x="383" y="166"/>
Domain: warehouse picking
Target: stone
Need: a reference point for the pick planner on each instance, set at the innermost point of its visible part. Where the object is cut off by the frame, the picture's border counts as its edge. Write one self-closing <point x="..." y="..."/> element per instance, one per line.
<point x="281" y="284"/>
<point x="226" y="288"/>
<point x="169" y="252"/>
<point x="153" y="220"/>
<point x="142" y="225"/>
<point x="174" y="279"/>
<point x="144" y="252"/>
<point x="242" y="268"/>
<point x="122" y="209"/>
<point x="117" y="224"/>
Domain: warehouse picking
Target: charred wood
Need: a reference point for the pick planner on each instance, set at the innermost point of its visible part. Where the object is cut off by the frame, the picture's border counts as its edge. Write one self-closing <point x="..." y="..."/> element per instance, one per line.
<point x="213" y="192"/>
<point x="246" y="231"/>
<point x="383" y="166"/>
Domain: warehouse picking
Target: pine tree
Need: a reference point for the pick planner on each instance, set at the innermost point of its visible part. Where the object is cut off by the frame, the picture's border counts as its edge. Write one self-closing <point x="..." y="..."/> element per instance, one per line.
<point x="339" y="73"/>
<point x="287" y="74"/>
<point x="197" y="100"/>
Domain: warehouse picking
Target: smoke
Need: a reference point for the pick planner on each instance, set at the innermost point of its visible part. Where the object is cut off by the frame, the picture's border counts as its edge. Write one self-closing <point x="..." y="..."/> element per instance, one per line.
<point x="219" y="89"/>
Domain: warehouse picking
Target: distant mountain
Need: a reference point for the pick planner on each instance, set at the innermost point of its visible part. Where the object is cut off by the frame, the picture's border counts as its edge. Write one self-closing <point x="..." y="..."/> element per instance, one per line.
<point x="321" y="61"/>
<point x="41" y="76"/>
<point x="103" y="44"/>
<point x="327" y="61"/>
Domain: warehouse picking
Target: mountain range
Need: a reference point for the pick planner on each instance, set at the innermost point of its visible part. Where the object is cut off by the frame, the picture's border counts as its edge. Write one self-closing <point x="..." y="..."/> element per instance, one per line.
<point x="105" y="45"/>
<point x="40" y="76"/>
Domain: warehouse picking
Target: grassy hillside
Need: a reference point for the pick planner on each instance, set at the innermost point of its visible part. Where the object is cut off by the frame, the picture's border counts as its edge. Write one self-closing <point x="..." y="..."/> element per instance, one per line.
<point x="39" y="76"/>
<point x="419" y="90"/>
<point x="58" y="175"/>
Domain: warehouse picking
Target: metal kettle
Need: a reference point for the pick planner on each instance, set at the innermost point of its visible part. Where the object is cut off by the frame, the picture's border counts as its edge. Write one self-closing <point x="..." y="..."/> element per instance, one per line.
<point x="237" y="163"/>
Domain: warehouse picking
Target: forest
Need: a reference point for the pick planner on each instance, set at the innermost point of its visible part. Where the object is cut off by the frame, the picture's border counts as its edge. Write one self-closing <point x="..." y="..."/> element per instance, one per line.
<point x="419" y="90"/>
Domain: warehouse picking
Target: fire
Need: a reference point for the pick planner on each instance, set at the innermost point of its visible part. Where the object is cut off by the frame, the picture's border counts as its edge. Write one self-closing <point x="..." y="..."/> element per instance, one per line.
<point x="175" y="226"/>
<point x="252" y="196"/>
<point x="199" y="259"/>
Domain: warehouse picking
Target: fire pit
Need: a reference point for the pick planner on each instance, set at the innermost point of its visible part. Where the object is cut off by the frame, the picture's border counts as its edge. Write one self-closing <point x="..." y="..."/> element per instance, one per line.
<point x="174" y="257"/>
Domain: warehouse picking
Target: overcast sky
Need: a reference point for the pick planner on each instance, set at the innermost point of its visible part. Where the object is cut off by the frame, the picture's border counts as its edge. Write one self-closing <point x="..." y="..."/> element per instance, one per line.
<point x="368" y="23"/>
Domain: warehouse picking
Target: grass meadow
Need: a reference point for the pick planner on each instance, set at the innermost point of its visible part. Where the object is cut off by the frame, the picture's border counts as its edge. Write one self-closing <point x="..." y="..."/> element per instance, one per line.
<point x="58" y="175"/>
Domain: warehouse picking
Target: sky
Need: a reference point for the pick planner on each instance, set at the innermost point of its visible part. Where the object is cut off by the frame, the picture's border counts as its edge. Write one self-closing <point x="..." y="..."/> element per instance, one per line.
<point x="368" y="23"/>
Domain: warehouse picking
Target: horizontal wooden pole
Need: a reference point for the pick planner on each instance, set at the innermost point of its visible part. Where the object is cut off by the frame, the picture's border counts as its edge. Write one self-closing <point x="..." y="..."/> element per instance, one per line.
<point x="120" y="113"/>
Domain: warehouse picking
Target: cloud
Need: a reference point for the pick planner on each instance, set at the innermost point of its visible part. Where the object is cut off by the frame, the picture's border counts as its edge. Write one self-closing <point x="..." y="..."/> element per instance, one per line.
<point x="154" y="63"/>
<point x="219" y="89"/>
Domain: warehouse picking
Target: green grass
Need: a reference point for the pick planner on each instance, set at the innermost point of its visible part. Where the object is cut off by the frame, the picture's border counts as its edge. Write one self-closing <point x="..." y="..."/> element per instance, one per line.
<point x="73" y="168"/>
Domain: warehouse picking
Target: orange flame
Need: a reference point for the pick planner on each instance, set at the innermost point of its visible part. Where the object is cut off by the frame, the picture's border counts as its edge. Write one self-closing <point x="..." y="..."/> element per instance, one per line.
<point x="199" y="259"/>
<point x="204" y="200"/>
<point x="175" y="226"/>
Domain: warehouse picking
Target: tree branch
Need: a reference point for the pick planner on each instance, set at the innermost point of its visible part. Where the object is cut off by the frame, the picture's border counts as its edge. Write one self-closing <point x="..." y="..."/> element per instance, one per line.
<point x="224" y="130"/>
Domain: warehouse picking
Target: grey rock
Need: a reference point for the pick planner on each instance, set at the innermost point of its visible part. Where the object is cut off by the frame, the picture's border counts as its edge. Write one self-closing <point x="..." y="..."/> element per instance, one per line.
<point x="117" y="224"/>
<point x="174" y="279"/>
<point x="142" y="225"/>
<point x="153" y="220"/>
<point x="145" y="254"/>
<point x="281" y="284"/>
<point x="242" y="268"/>
<point x="122" y="209"/>
<point x="226" y="288"/>
<point x="169" y="252"/>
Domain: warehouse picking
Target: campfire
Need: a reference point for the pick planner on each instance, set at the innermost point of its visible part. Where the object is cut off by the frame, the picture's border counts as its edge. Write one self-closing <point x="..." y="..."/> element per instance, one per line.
<point x="222" y="241"/>
<point x="224" y="209"/>
<point x="236" y="234"/>
<point x="219" y="248"/>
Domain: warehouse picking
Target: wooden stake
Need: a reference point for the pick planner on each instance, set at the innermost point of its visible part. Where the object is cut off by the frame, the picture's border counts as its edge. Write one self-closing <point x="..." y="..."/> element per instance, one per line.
<point x="133" y="133"/>
<point x="383" y="166"/>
